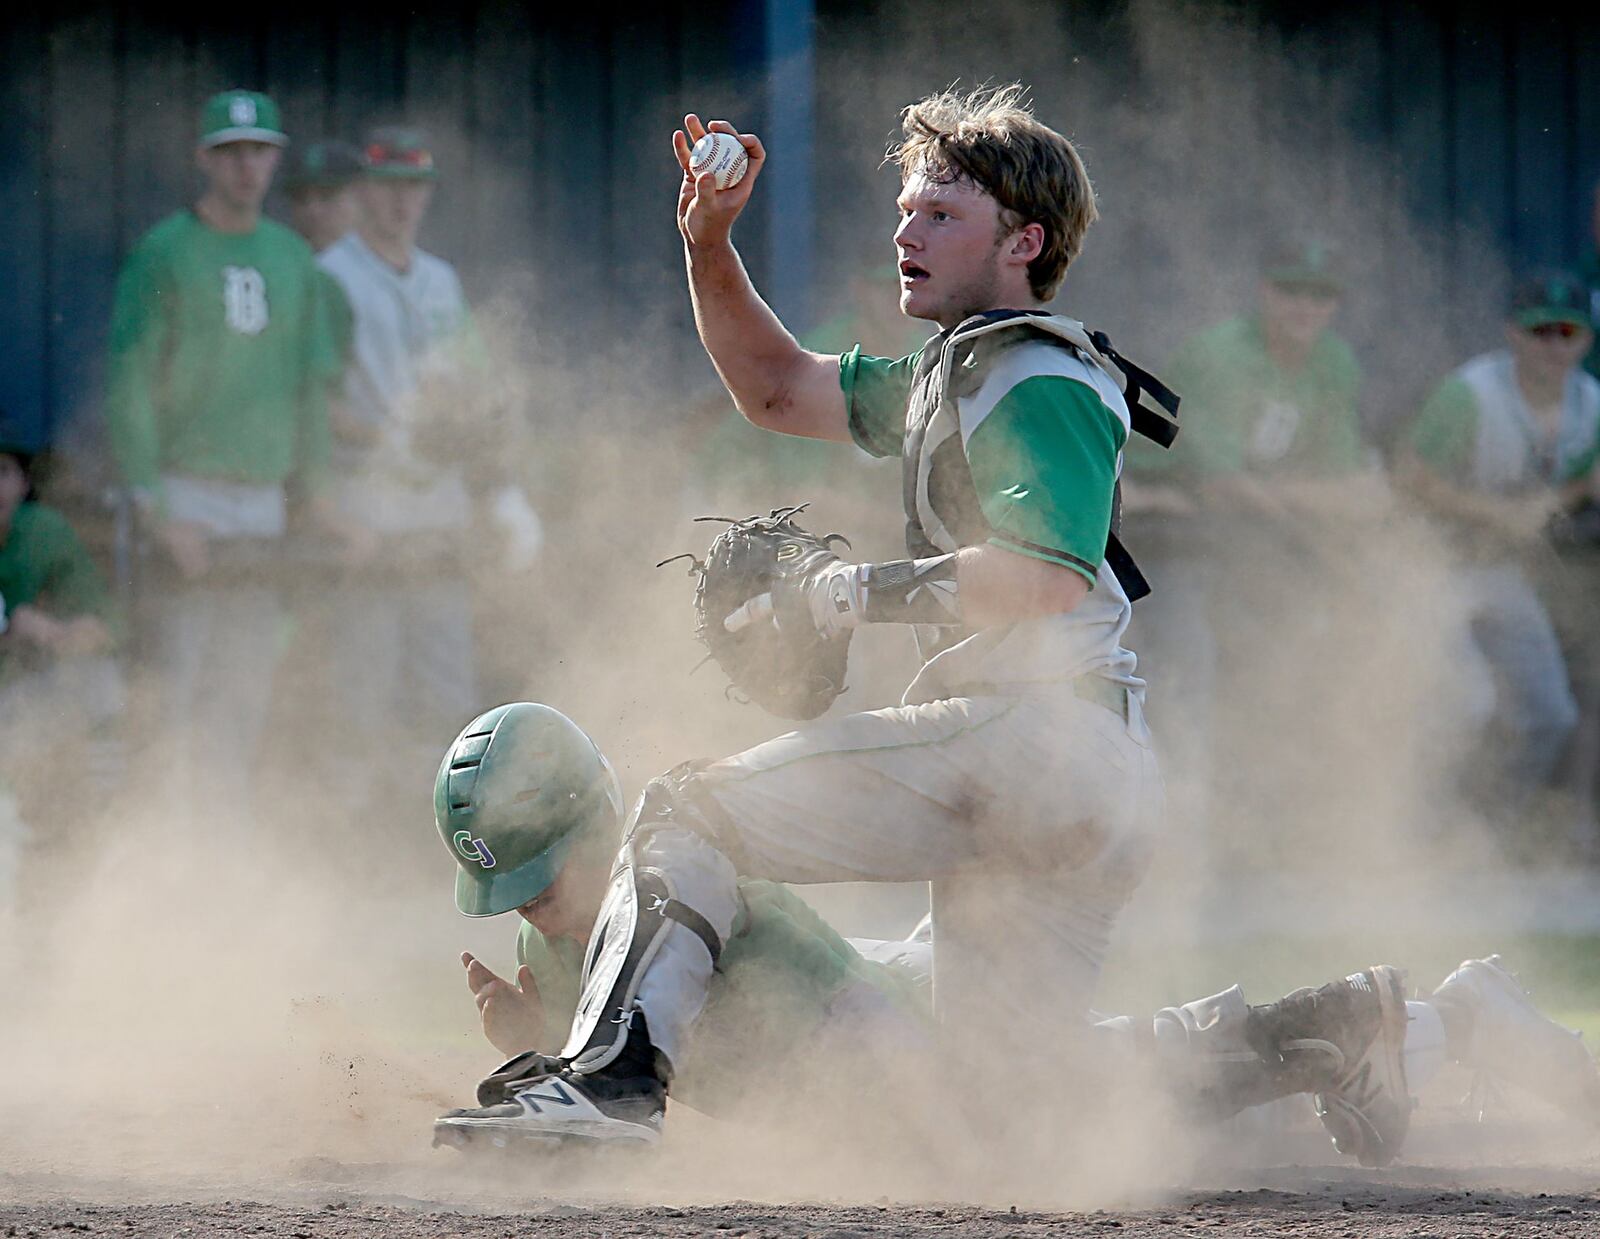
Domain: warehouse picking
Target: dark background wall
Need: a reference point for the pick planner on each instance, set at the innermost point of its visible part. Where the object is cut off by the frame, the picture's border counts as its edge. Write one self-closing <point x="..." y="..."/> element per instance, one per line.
<point x="1442" y="145"/>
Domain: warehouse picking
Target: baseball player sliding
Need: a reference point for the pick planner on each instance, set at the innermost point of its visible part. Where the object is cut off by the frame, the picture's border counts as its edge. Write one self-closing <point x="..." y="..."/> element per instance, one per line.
<point x="530" y="811"/>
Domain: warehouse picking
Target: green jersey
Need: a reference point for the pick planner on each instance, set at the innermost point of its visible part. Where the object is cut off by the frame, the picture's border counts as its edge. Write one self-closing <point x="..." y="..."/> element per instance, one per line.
<point x="1242" y="412"/>
<point x="43" y="564"/>
<point x="773" y="987"/>
<point x="221" y="351"/>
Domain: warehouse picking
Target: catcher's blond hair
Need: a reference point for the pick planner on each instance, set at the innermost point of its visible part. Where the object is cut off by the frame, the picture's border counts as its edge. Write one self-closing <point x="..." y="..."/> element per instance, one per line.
<point x="989" y="136"/>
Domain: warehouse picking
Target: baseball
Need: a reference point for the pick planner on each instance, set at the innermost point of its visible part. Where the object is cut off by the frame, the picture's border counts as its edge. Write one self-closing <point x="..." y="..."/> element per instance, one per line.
<point x="721" y="154"/>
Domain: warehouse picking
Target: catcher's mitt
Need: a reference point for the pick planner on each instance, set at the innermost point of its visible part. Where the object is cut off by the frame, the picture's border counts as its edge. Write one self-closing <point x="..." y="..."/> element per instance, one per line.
<point x="791" y="671"/>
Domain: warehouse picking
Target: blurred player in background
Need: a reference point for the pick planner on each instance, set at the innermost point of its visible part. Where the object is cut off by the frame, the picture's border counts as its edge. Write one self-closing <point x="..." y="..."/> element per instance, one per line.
<point x="1273" y="394"/>
<point x="220" y="356"/>
<point x="62" y="695"/>
<point x="1271" y="447"/>
<point x="530" y="811"/>
<point x="1506" y="443"/>
<point x="321" y="182"/>
<point x="421" y="445"/>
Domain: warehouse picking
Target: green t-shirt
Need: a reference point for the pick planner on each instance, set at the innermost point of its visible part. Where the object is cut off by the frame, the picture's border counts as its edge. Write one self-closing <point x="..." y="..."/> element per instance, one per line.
<point x="1042" y="449"/>
<point x="42" y="563"/>
<point x="1243" y="413"/>
<point x="221" y="346"/>
<point x="778" y="973"/>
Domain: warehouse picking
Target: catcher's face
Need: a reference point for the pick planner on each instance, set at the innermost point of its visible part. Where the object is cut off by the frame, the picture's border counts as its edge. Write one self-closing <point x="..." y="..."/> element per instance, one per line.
<point x="952" y="252"/>
<point x="949" y="250"/>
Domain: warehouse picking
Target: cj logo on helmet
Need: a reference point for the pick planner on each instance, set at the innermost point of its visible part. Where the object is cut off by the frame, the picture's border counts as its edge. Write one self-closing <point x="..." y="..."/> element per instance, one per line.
<point x="474" y="849"/>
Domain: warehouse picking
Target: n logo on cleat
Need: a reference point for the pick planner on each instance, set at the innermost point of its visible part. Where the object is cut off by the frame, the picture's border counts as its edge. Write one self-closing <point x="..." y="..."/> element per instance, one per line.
<point x="561" y="1097"/>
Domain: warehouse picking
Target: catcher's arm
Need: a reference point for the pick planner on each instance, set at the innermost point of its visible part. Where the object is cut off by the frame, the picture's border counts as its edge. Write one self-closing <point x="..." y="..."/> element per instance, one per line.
<point x="978" y="586"/>
<point x="775" y="383"/>
<point x="999" y="586"/>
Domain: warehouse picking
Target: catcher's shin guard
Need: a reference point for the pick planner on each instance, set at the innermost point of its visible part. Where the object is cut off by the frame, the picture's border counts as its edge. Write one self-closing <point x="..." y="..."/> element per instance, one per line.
<point x="638" y="913"/>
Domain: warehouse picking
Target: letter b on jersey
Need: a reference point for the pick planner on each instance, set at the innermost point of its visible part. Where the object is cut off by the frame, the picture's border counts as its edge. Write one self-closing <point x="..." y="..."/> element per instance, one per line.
<point x="244" y="299"/>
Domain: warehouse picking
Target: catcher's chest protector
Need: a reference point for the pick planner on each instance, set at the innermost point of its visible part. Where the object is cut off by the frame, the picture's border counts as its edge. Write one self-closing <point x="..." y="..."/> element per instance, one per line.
<point x="941" y="503"/>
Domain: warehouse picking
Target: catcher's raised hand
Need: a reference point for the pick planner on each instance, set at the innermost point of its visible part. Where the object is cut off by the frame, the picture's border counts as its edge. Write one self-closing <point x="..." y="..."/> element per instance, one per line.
<point x="706" y="213"/>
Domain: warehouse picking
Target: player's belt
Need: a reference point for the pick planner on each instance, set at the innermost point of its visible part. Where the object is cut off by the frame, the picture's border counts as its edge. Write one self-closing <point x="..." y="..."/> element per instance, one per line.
<point x="1103" y="692"/>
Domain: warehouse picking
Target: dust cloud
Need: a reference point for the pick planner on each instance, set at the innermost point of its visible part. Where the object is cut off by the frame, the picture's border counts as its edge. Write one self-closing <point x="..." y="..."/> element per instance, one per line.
<point x="280" y="1009"/>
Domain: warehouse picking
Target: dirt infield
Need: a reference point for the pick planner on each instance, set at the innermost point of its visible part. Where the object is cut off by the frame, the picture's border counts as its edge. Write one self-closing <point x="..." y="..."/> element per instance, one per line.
<point x="1517" y="1181"/>
<point x="1314" y="1208"/>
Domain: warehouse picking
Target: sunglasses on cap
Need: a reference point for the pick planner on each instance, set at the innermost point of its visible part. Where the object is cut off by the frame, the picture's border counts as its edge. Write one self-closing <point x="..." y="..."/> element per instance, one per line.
<point x="1555" y="331"/>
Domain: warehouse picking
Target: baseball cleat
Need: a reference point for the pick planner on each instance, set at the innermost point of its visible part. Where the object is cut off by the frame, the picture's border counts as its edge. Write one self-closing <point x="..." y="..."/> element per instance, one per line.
<point x="1367" y="1110"/>
<point x="559" y="1110"/>
<point x="1342" y="1043"/>
<point x="1511" y="1040"/>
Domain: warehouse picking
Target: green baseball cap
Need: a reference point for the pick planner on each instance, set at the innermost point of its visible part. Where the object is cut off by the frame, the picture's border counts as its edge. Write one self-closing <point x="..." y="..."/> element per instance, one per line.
<point x="398" y="152"/>
<point x="1551" y="297"/>
<point x="323" y="164"/>
<point x="241" y="116"/>
<point x="1304" y="266"/>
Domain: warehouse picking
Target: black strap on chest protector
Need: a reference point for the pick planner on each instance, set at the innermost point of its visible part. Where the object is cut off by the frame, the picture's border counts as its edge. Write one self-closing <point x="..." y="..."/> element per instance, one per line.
<point x="1158" y="426"/>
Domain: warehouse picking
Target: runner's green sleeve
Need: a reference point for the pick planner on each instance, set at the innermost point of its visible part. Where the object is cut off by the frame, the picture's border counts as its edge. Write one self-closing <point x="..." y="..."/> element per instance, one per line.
<point x="557" y="969"/>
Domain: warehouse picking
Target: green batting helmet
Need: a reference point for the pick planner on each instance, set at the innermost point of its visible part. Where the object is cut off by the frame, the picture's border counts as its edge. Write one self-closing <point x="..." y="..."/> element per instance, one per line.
<point x="516" y="790"/>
